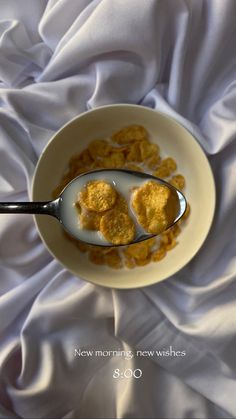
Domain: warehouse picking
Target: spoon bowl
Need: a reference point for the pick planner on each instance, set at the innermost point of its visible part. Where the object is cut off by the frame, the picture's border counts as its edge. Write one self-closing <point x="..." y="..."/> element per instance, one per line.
<point x="65" y="212"/>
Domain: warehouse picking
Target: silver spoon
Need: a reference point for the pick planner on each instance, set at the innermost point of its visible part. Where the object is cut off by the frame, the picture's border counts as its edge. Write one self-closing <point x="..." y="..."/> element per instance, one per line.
<point x="62" y="208"/>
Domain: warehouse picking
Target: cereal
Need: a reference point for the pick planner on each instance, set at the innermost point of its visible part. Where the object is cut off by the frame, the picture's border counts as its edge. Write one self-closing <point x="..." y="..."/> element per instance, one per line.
<point x="139" y="254"/>
<point x="117" y="227"/>
<point x="113" y="259"/>
<point x="153" y="162"/>
<point x="78" y="207"/>
<point x="121" y="204"/>
<point x="137" y="251"/>
<point x="90" y="220"/>
<point x="171" y="245"/>
<point x="162" y="172"/>
<point x="175" y="229"/>
<point x="114" y="161"/>
<point x="129" y="263"/>
<point x="178" y="182"/>
<point x="147" y="149"/>
<point x="169" y="163"/>
<point x="155" y="206"/>
<point x="130" y="134"/>
<point x="168" y="240"/>
<point x="96" y="257"/>
<point x="159" y="254"/>
<point x="85" y="158"/>
<point x="98" y="196"/>
<point x="99" y="148"/>
<point x="81" y="246"/>
<point x="134" y="153"/>
<point x="129" y="148"/>
<point x="131" y="166"/>
<point x="150" y="242"/>
<point x="143" y="262"/>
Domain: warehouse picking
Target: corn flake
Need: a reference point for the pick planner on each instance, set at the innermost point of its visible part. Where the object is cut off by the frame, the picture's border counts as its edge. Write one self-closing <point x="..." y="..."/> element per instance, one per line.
<point x="143" y="262"/>
<point x="90" y="220"/>
<point x="148" y="149"/>
<point x="96" y="257"/>
<point x="131" y="166"/>
<point x="133" y="153"/>
<point x="159" y="254"/>
<point x="137" y="251"/>
<point x="130" y="263"/>
<point x="153" y="162"/>
<point x="121" y="204"/>
<point x="129" y="134"/>
<point x="98" y="196"/>
<point x="99" y="148"/>
<point x="155" y="206"/>
<point x="162" y="172"/>
<point x="178" y="181"/>
<point x="85" y="158"/>
<point x="117" y="227"/>
<point x="113" y="259"/>
<point x="169" y="163"/>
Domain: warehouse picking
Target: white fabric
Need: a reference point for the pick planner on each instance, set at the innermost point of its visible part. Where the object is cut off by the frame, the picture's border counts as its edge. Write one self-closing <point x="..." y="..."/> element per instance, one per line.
<point x="57" y="59"/>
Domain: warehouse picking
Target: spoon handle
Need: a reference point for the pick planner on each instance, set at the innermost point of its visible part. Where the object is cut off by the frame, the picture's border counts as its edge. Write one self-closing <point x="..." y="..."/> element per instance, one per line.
<point x="48" y="208"/>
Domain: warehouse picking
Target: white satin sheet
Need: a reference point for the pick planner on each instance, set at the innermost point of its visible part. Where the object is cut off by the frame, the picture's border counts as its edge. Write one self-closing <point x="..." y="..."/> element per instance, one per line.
<point x="59" y="58"/>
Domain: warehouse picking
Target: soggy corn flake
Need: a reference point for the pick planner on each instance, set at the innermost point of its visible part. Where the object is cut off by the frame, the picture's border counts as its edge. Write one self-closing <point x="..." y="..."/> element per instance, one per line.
<point x="113" y="259"/>
<point x="169" y="163"/>
<point x="135" y="167"/>
<point x="162" y="172"/>
<point x="98" y="196"/>
<point x="96" y="257"/>
<point x="143" y="262"/>
<point x="148" y="149"/>
<point x="90" y="220"/>
<point x="130" y="263"/>
<point x="178" y="181"/>
<point x="159" y="254"/>
<point x="133" y="153"/>
<point x="130" y="134"/>
<point x="99" y="148"/>
<point x="168" y="240"/>
<point x="153" y="162"/>
<point x="117" y="227"/>
<point x="78" y="207"/>
<point x="155" y="206"/>
<point x="121" y="204"/>
<point x="137" y="251"/>
<point x="150" y="242"/>
<point x="117" y="159"/>
<point x="175" y="229"/>
<point x="85" y="158"/>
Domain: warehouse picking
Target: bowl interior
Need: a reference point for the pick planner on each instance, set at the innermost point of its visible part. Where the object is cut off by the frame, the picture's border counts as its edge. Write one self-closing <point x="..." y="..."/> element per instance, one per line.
<point x="175" y="141"/>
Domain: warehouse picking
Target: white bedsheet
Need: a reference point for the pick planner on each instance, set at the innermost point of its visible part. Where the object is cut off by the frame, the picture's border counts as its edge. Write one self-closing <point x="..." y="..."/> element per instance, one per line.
<point x="57" y="59"/>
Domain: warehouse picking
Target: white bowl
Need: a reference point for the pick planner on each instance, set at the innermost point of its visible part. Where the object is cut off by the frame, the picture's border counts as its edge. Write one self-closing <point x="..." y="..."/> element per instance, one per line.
<point x="175" y="141"/>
